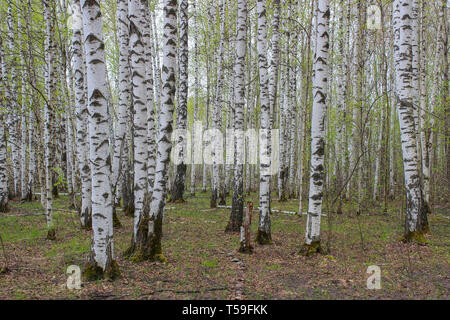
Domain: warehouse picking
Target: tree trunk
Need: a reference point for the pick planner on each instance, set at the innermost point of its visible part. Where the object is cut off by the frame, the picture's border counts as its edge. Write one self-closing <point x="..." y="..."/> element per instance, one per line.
<point x="404" y="31"/>
<point x="165" y="130"/>
<point x="236" y="215"/>
<point x="101" y="263"/>
<point x="320" y="93"/>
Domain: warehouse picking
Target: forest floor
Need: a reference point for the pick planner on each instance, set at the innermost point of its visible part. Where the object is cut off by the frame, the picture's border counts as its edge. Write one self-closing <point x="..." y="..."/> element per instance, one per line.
<point x="203" y="261"/>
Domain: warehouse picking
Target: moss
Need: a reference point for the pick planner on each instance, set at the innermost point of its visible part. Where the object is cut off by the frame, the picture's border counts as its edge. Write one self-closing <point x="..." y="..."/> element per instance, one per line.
<point x="311" y="249"/>
<point x="414" y="237"/>
<point x="93" y="272"/>
<point x="159" y="257"/>
<point x="263" y="237"/>
<point x="179" y="201"/>
<point x="51" y="233"/>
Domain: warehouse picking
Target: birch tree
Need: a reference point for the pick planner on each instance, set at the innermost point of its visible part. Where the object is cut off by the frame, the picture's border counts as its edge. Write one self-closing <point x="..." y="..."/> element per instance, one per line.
<point x="136" y="11"/>
<point x="180" y="177"/>
<point x="320" y="92"/>
<point x="237" y="209"/>
<point x="82" y="127"/>
<point x="3" y="150"/>
<point x="404" y="31"/>
<point x="101" y="263"/>
<point x="120" y="147"/>
<point x="264" y="233"/>
<point x="48" y="120"/>
<point x="164" y="130"/>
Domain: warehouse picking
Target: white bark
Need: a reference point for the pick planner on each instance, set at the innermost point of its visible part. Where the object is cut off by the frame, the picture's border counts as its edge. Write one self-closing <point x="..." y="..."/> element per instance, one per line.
<point x="48" y="115"/>
<point x="82" y="127"/>
<point x="3" y="150"/>
<point x="239" y="96"/>
<point x="102" y="253"/>
<point x="405" y="30"/>
<point x="120" y="141"/>
<point x="136" y="15"/>
<point x="217" y="115"/>
<point x="320" y="86"/>
<point x="164" y="128"/>
<point x="265" y="147"/>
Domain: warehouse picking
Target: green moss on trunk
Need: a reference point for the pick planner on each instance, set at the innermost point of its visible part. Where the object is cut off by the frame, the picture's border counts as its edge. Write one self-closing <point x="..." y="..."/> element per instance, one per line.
<point x="155" y="241"/>
<point x="263" y="237"/>
<point x="93" y="272"/>
<point x="311" y="249"/>
<point x="414" y="237"/>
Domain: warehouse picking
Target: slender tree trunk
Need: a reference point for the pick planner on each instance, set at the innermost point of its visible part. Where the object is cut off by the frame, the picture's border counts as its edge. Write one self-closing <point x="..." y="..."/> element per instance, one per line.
<point x="78" y="66"/>
<point x="320" y="93"/>
<point x="180" y="177"/>
<point x="48" y="121"/>
<point x="136" y="13"/>
<point x="264" y="233"/>
<point x="165" y="130"/>
<point x="236" y="215"/>
<point x="217" y="116"/>
<point x="3" y="149"/>
<point x="196" y="88"/>
<point x="404" y="31"/>
<point x="120" y="147"/>
<point x="101" y="263"/>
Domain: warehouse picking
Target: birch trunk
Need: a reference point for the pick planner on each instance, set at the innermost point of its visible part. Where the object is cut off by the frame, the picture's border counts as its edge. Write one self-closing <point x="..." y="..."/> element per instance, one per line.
<point x="404" y="31"/>
<point x="82" y="127"/>
<point x="3" y="146"/>
<point x="48" y="120"/>
<point x="196" y="88"/>
<point x="136" y="14"/>
<point x="165" y="130"/>
<point x="264" y="228"/>
<point x="180" y="176"/>
<point x="320" y="93"/>
<point x="120" y="147"/>
<point x="101" y="263"/>
<point x="236" y="215"/>
<point x="217" y="115"/>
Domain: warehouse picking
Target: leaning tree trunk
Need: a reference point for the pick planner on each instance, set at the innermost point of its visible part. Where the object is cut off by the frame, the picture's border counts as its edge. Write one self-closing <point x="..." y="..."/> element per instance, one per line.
<point x="165" y="130"/>
<point x="404" y="31"/>
<point x="101" y="263"/>
<point x="264" y="233"/>
<point x="320" y="92"/>
<point x="78" y="67"/>
<point x="180" y="176"/>
<point x="237" y="206"/>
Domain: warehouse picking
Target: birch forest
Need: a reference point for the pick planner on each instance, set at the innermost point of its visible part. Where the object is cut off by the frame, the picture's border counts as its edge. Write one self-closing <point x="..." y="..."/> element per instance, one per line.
<point x="224" y="149"/>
